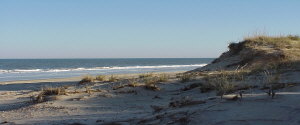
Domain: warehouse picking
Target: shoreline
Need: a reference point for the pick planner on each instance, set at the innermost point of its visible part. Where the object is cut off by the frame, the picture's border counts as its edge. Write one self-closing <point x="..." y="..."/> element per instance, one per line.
<point x="78" y="78"/>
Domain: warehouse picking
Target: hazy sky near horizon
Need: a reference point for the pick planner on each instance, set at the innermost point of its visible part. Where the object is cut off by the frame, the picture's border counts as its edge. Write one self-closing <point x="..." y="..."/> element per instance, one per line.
<point x="137" y="28"/>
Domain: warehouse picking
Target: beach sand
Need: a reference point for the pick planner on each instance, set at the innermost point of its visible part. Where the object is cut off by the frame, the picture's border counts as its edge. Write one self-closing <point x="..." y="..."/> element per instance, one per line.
<point x="175" y="103"/>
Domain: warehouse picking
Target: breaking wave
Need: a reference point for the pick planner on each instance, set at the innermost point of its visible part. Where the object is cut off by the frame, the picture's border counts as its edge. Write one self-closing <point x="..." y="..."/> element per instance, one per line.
<point x="97" y="68"/>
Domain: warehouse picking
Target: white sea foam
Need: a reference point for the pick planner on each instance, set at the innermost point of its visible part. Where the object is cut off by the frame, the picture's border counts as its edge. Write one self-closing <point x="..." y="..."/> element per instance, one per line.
<point x="98" y="68"/>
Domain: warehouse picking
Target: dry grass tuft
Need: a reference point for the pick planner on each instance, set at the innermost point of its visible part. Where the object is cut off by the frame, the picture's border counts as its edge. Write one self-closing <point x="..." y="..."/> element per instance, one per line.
<point x="288" y="41"/>
<point x="186" y="77"/>
<point x="224" y="82"/>
<point x="100" y="77"/>
<point x="87" y="79"/>
<point x="146" y="75"/>
<point x="47" y="92"/>
<point x="150" y="83"/>
<point x="113" y="78"/>
<point x="224" y="87"/>
<point x="133" y="83"/>
<point x="163" y="78"/>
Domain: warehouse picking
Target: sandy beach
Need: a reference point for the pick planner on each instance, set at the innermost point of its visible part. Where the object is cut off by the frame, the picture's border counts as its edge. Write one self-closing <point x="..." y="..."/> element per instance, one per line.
<point x="175" y="102"/>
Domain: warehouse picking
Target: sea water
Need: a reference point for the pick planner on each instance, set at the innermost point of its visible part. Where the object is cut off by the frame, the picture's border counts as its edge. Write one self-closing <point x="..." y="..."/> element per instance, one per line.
<point x="31" y="69"/>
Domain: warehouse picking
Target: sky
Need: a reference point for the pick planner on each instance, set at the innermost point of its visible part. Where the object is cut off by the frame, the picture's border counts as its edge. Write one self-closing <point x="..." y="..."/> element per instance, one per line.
<point x="137" y="28"/>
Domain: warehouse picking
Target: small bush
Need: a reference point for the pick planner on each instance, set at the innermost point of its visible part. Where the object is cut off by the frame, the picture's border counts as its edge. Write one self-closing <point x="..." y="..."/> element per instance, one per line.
<point x="42" y="97"/>
<point x="186" y="77"/>
<point x="113" y="78"/>
<point x="150" y="83"/>
<point x="223" y="82"/>
<point x="100" y="77"/>
<point x="146" y="75"/>
<point x="86" y="79"/>
<point x="163" y="78"/>
<point x="133" y="83"/>
<point x="224" y="87"/>
<point x="271" y="79"/>
<point x="152" y="80"/>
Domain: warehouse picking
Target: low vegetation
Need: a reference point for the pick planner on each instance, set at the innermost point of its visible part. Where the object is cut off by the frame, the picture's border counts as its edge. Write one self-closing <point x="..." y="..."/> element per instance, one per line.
<point x="87" y="79"/>
<point x="146" y="75"/>
<point x="224" y="82"/>
<point x="133" y="83"/>
<point x="46" y="93"/>
<point x="223" y="85"/>
<point x="150" y="83"/>
<point x="113" y="78"/>
<point x="186" y="77"/>
<point x="288" y="41"/>
<point x="163" y="78"/>
<point x="100" y="77"/>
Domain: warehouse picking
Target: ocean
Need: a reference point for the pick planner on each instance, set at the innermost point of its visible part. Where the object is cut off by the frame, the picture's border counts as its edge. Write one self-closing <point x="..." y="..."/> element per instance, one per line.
<point x="31" y="69"/>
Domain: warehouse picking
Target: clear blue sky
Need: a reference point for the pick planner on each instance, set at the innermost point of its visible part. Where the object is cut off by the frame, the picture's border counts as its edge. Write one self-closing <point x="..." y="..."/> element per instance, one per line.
<point x="137" y="28"/>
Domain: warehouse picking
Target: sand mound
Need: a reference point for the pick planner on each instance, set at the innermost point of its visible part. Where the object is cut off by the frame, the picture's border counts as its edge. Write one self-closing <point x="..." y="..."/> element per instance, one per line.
<point x="260" y="52"/>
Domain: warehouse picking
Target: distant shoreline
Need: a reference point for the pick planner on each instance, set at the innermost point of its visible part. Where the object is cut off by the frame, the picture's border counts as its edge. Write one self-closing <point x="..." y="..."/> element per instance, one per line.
<point x="75" y="79"/>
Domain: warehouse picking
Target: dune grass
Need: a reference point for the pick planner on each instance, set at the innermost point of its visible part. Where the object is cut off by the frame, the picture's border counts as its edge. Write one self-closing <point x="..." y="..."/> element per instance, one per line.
<point x="113" y="78"/>
<point x="100" y="77"/>
<point x="163" y="78"/>
<point x="223" y="82"/>
<point x="133" y="83"/>
<point x="150" y="83"/>
<point x="261" y="41"/>
<point x="288" y="41"/>
<point x="186" y="77"/>
<point x="146" y="75"/>
<point x="261" y="52"/>
<point x="87" y="79"/>
<point x="49" y="91"/>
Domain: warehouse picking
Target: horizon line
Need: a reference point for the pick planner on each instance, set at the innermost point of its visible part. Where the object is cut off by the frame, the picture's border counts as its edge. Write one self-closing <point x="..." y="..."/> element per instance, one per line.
<point x="124" y="58"/>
